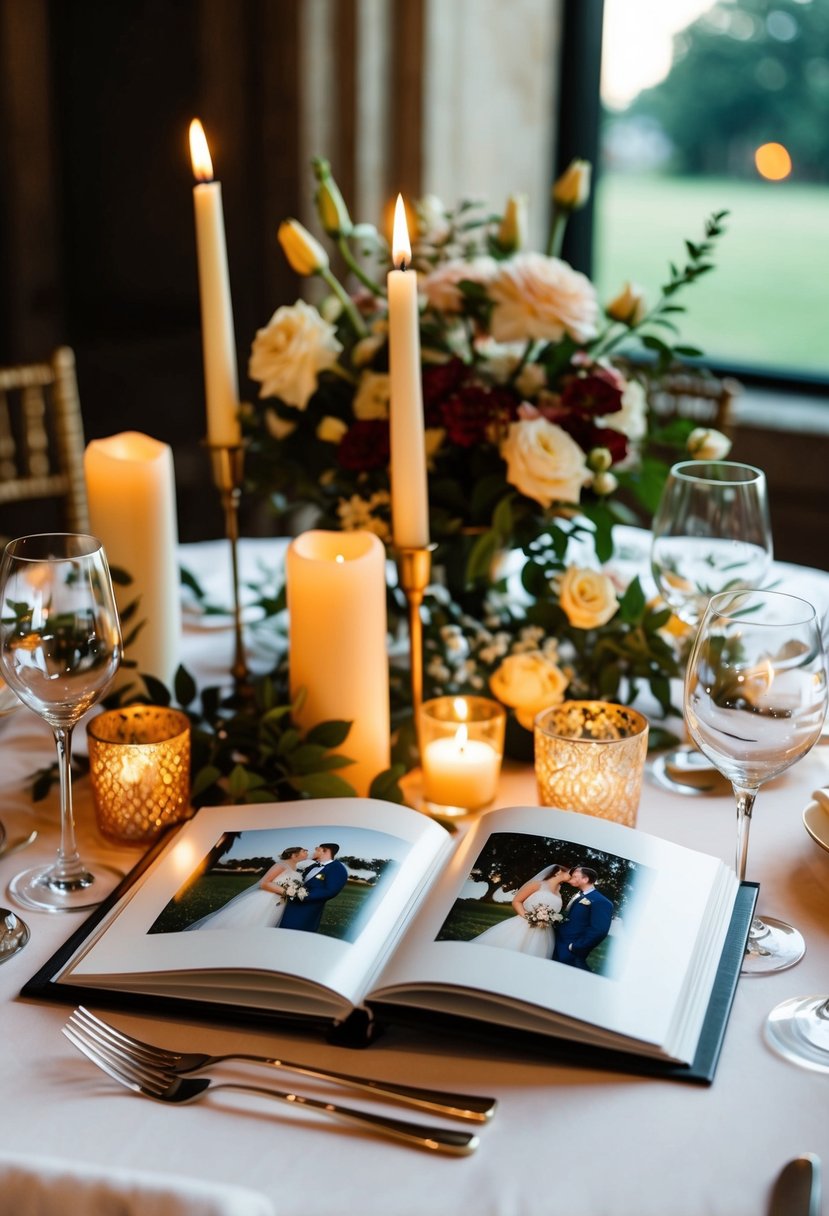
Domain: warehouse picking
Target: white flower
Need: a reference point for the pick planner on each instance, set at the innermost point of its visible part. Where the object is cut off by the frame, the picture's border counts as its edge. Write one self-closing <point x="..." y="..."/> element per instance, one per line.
<point x="587" y="597"/>
<point x="705" y="443"/>
<point x="605" y="483"/>
<point x="290" y="352"/>
<point x="543" y="462"/>
<point x="356" y="514"/>
<point x="331" y="430"/>
<point x="536" y="296"/>
<point x="632" y="419"/>
<point x="432" y="224"/>
<point x="440" y="286"/>
<point x="372" y="397"/>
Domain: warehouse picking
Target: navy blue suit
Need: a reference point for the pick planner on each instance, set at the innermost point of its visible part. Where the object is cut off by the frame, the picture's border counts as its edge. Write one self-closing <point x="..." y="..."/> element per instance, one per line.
<point x="586" y="923"/>
<point x="324" y="885"/>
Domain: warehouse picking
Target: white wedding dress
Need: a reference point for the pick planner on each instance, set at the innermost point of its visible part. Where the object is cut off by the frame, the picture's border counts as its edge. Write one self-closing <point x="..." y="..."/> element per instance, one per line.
<point x="252" y="909"/>
<point x="516" y="934"/>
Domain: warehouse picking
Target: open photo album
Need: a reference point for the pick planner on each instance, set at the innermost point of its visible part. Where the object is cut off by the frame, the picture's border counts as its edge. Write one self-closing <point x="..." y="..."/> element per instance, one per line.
<point x="549" y="924"/>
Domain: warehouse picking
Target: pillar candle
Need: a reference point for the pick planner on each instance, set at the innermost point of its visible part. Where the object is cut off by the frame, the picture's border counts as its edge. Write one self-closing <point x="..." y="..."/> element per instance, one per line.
<point x="460" y="771"/>
<point x="336" y="586"/>
<point x="409" y="497"/>
<point x="221" y="383"/>
<point x="130" y="485"/>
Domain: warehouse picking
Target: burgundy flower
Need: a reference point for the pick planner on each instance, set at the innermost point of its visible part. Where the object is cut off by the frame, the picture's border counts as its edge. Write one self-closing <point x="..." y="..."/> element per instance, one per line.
<point x="440" y="380"/>
<point x="593" y="394"/>
<point x="365" y="446"/>
<point x="469" y="414"/>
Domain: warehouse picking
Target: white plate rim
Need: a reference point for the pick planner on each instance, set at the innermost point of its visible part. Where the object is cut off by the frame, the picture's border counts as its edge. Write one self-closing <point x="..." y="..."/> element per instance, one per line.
<point x="814" y="815"/>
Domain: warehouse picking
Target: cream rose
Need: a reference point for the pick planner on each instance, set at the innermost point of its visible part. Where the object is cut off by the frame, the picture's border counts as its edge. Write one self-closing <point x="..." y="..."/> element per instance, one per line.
<point x="330" y="429"/>
<point x="528" y="683"/>
<point x="588" y="597"/>
<point x="536" y="296"/>
<point x="543" y="462"/>
<point x="705" y="443"/>
<point x="440" y="286"/>
<point x="290" y="352"/>
<point x="371" y="400"/>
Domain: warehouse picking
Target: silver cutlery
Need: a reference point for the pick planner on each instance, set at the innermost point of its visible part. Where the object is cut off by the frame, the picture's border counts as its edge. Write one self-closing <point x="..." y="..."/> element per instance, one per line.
<point x="14" y="846"/>
<point x="14" y="933"/>
<point x="166" y="1087"/>
<point x="458" y="1106"/>
<point x="797" y="1188"/>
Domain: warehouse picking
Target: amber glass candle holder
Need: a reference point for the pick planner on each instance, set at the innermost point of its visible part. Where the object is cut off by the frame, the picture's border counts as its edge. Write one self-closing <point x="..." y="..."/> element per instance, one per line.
<point x="590" y="757"/>
<point x="139" y="766"/>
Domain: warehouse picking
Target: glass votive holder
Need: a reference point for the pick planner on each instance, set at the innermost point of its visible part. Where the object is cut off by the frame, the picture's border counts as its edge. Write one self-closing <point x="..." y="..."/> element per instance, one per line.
<point x="461" y="748"/>
<point x="590" y="757"/>
<point x="139" y="766"/>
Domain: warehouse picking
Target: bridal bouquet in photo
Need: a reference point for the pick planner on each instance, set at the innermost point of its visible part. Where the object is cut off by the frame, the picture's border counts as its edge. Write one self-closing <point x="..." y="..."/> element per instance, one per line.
<point x="537" y="432"/>
<point x="542" y="916"/>
<point x="294" y="888"/>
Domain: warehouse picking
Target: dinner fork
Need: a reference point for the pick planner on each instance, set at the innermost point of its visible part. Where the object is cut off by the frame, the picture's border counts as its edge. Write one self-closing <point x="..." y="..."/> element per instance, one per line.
<point x="458" y="1106"/>
<point x="165" y="1087"/>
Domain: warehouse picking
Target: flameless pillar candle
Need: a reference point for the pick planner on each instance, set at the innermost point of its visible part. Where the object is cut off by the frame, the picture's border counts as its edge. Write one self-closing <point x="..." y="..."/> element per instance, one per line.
<point x="130" y="485"/>
<point x="336" y="585"/>
<point x="409" y="498"/>
<point x="221" y="384"/>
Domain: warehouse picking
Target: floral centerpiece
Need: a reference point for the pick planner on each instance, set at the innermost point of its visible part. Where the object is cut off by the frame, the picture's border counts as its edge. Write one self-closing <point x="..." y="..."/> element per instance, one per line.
<point x="537" y="435"/>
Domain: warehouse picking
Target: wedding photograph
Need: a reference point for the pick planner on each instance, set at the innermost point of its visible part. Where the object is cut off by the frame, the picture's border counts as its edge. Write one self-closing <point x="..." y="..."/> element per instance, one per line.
<point x="324" y="880"/>
<point x="550" y="899"/>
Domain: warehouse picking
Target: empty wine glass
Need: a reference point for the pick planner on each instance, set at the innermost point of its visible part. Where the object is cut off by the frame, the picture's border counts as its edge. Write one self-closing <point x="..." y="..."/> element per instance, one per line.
<point x="798" y="1029"/>
<point x="711" y="533"/>
<point x="60" y="646"/>
<point x="755" y="701"/>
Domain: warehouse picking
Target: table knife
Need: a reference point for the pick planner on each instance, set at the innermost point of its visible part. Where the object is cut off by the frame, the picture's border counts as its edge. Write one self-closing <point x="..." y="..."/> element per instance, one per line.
<point x="797" y="1188"/>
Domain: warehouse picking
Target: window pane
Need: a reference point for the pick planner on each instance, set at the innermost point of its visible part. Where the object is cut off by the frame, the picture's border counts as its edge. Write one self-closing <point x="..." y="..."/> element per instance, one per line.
<point x="696" y="96"/>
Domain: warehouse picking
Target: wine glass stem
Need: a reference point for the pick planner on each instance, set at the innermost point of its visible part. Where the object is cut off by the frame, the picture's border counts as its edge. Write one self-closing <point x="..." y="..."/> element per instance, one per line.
<point x="68" y="867"/>
<point x="745" y="806"/>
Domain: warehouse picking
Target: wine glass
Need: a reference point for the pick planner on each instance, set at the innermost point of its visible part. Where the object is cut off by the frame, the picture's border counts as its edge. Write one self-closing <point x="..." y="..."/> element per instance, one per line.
<point x="60" y="646"/>
<point x="711" y="533"/>
<point x="755" y="701"/>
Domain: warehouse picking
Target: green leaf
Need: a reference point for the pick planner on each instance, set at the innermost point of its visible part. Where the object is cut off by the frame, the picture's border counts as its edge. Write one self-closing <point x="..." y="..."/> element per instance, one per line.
<point x="329" y="734"/>
<point x="184" y="686"/>
<point x="323" y="785"/>
<point x="632" y="603"/>
<point x="386" y="784"/>
<point x="204" y="778"/>
<point x="157" y="692"/>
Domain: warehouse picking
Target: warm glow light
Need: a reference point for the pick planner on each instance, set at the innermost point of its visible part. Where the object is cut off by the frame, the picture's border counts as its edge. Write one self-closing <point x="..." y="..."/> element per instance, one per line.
<point x="461" y="709"/>
<point x="339" y="558"/>
<point x="773" y="162"/>
<point x="461" y="737"/>
<point x="401" y="249"/>
<point x="200" y="153"/>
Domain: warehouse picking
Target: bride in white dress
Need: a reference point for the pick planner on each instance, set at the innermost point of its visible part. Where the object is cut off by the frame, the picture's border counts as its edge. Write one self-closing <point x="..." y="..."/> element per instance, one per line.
<point x="257" y="907"/>
<point x="524" y="932"/>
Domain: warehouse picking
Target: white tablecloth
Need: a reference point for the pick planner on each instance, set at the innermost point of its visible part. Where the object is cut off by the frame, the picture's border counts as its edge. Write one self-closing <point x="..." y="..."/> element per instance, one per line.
<point x="563" y="1139"/>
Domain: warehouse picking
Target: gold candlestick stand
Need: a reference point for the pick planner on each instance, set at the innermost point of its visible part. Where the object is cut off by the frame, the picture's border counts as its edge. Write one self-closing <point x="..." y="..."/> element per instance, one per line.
<point x="227" y="462"/>
<point x="414" y="566"/>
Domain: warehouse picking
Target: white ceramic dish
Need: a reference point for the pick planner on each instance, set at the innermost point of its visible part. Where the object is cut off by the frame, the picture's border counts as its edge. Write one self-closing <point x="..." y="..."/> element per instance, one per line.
<point x="816" y="822"/>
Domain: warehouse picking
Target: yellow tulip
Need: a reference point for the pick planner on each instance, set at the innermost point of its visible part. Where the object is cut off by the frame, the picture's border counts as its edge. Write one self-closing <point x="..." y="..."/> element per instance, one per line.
<point x="304" y="253"/>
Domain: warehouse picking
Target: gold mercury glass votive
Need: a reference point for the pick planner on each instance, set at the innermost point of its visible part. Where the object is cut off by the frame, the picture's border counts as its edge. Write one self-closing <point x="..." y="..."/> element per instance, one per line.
<point x="590" y="757"/>
<point x="139" y="765"/>
<point x="461" y="746"/>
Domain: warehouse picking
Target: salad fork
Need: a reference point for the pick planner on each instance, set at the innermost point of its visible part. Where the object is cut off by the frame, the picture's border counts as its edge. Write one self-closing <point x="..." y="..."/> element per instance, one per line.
<point x="166" y="1087"/>
<point x="458" y="1106"/>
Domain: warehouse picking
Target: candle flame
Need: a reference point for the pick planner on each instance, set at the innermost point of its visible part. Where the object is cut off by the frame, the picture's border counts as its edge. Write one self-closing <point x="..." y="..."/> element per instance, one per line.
<point x="461" y="737"/>
<point x="401" y="249"/>
<point x="339" y="558"/>
<point x="200" y="153"/>
<point x="461" y="709"/>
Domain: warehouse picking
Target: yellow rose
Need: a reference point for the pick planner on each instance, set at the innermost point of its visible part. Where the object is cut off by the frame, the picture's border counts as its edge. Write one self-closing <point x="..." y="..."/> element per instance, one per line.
<point x="528" y="683"/>
<point x="629" y="306"/>
<point x="303" y="251"/>
<point x="330" y="429"/>
<point x="572" y="189"/>
<point x="706" y="443"/>
<point x="588" y="597"/>
<point x="512" y="231"/>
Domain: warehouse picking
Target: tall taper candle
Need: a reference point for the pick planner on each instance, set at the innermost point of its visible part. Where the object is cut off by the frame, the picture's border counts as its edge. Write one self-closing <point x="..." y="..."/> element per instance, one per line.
<point x="336" y="584"/>
<point x="130" y="485"/>
<point x="409" y="497"/>
<point x="221" y="382"/>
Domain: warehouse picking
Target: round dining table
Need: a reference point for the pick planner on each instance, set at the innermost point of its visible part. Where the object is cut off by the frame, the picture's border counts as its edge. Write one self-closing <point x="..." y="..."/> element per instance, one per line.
<point x="565" y="1137"/>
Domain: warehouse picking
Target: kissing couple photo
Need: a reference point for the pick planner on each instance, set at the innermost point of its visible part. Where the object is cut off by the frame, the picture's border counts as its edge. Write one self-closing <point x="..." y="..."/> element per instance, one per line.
<point x="574" y="912"/>
<point x="286" y="896"/>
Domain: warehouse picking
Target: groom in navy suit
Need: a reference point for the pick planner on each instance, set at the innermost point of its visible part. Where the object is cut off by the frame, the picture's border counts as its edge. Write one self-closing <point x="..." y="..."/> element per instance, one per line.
<point x="323" y="879"/>
<point x="586" y="921"/>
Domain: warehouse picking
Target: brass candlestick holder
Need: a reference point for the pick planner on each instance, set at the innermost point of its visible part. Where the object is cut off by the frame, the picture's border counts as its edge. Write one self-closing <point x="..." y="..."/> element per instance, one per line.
<point x="227" y="462"/>
<point x="414" y="567"/>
